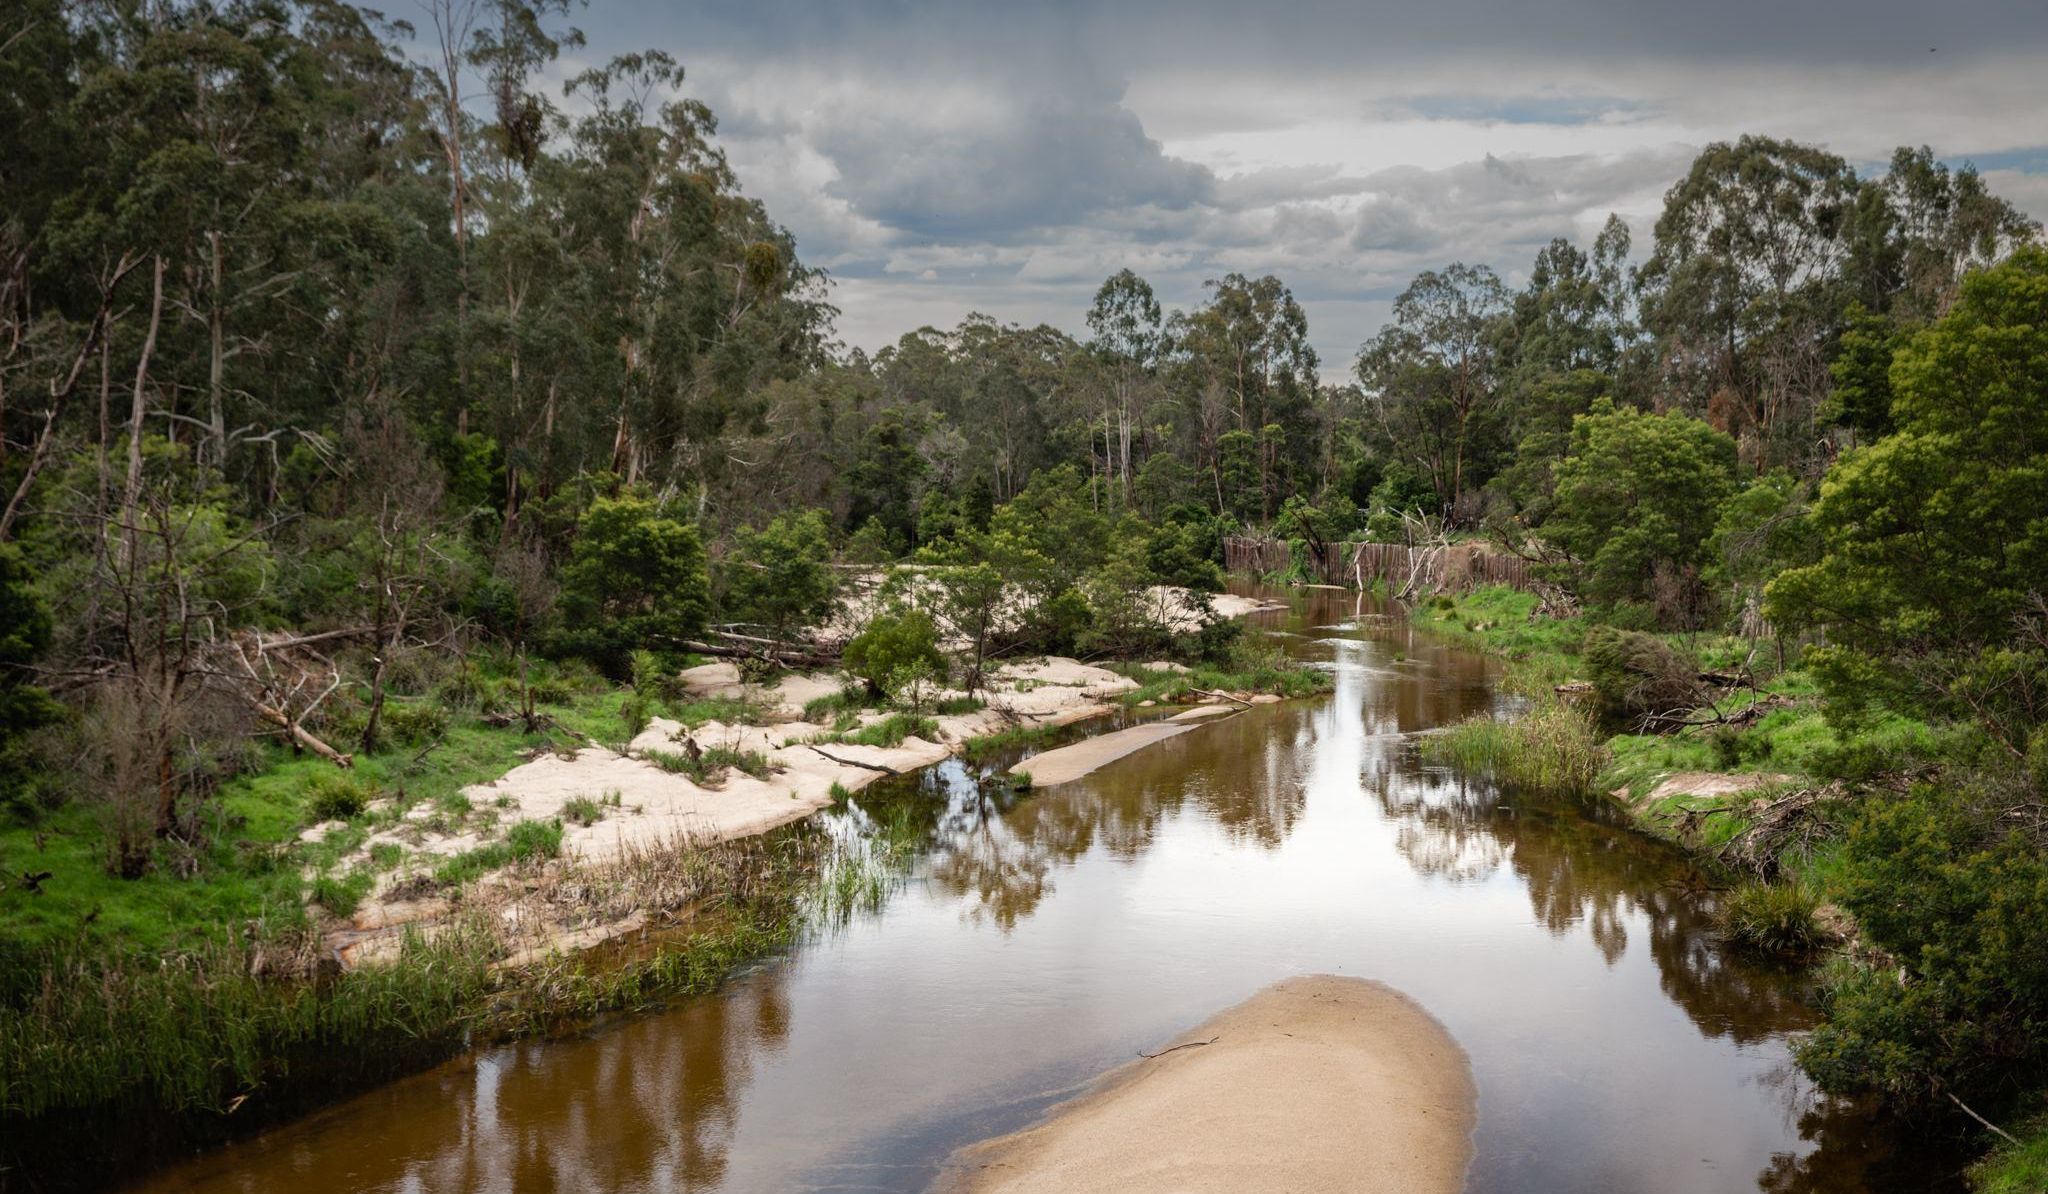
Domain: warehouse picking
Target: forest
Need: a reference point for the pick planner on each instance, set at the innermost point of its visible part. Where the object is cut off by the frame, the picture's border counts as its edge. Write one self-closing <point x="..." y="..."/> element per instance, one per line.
<point x="349" y="370"/>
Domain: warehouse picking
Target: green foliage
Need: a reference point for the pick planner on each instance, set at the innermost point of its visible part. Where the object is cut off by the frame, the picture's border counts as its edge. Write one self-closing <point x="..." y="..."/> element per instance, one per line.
<point x="1638" y="492"/>
<point x="333" y="795"/>
<point x="1862" y="395"/>
<point x="636" y="579"/>
<point x="1943" y="882"/>
<point x="890" y="731"/>
<point x="1933" y="544"/>
<point x="890" y="644"/>
<point x="24" y="635"/>
<point x="524" y="842"/>
<point x="708" y="766"/>
<point x="414" y="723"/>
<point x="1636" y="674"/>
<point x="781" y="577"/>
<point x="2016" y="1168"/>
<point x="1184" y="549"/>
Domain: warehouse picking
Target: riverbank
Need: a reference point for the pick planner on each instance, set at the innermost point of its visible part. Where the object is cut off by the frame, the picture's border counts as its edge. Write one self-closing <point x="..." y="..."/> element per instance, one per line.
<point x="1315" y="1083"/>
<point x="1760" y="737"/>
<point x="490" y="874"/>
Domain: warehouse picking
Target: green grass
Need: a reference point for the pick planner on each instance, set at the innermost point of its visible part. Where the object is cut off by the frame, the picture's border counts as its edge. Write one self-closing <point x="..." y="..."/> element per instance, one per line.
<point x="1551" y="747"/>
<point x="831" y="709"/>
<point x="1772" y="919"/>
<point x="958" y="705"/>
<point x="2015" y="1168"/>
<point x="525" y="841"/>
<point x="1271" y="674"/>
<point x="582" y="810"/>
<point x="710" y="765"/>
<point x="890" y="731"/>
<point x="987" y="746"/>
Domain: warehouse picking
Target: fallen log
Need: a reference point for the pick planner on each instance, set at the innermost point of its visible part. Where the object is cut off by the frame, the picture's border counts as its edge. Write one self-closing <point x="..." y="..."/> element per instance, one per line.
<point x="784" y="656"/>
<point x="302" y="735"/>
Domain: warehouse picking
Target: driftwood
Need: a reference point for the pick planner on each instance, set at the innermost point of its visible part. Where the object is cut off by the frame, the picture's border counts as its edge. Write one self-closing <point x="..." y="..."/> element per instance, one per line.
<point x="857" y="763"/>
<point x="1220" y="696"/>
<point x="1177" y="1048"/>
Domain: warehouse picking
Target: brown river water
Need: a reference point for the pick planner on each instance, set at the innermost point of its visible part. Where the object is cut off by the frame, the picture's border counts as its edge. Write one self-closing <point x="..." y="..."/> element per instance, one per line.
<point x="1041" y="939"/>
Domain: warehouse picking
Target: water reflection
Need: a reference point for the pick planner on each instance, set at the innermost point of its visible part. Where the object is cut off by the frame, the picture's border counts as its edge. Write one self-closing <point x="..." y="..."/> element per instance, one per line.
<point x="1045" y="937"/>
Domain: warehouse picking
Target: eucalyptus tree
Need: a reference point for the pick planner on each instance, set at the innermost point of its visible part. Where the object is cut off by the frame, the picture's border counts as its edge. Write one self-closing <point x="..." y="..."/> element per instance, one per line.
<point x="1245" y="354"/>
<point x="699" y="291"/>
<point x="1432" y="377"/>
<point x="1129" y="339"/>
<point x="1745" y="284"/>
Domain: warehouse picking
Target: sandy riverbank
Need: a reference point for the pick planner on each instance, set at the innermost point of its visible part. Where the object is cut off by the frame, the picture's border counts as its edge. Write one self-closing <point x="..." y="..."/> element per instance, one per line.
<point x="1317" y="1083"/>
<point x="649" y="810"/>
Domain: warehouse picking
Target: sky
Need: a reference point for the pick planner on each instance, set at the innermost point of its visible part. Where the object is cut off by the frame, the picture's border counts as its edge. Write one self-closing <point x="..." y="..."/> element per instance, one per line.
<point x="943" y="158"/>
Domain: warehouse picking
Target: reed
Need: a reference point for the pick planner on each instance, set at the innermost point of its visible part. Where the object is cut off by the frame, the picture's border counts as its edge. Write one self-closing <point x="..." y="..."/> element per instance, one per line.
<point x="1552" y="747"/>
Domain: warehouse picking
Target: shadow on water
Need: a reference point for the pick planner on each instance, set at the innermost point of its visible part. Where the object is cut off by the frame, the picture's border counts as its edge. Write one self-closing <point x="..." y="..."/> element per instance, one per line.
<point x="1044" y="937"/>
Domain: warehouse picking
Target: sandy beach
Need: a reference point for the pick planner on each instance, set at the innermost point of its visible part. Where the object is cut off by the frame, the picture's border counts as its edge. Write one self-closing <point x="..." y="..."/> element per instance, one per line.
<point x="1317" y="1083"/>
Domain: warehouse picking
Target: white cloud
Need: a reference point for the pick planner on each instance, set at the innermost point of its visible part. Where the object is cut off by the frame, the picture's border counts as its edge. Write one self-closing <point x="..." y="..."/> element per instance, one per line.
<point x="940" y="159"/>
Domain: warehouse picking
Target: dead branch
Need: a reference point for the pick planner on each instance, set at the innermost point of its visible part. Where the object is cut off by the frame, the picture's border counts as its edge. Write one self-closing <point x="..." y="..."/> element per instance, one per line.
<point x="1177" y="1048"/>
<point x="857" y="763"/>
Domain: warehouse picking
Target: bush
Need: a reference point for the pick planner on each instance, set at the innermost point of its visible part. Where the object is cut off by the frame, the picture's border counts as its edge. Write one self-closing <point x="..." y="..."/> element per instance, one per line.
<point x="890" y="644"/>
<point x="414" y="724"/>
<point x="1635" y="674"/>
<point x="334" y="796"/>
<point x="1637" y="491"/>
<point x="781" y="576"/>
<point x="634" y="578"/>
<point x="1769" y="918"/>
<point x="1945" y="884"/>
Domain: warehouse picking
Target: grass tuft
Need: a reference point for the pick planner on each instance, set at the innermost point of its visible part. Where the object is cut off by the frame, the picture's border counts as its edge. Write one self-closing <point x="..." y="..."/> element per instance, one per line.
<point x="1552" y="748"/>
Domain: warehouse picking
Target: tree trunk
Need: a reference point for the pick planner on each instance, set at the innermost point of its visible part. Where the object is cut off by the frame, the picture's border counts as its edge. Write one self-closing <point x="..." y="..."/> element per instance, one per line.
<point x="131" y="492"/>
<point x="216" y="414"/>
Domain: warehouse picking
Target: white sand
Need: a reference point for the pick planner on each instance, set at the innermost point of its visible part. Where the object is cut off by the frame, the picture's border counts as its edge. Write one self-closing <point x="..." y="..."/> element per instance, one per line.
<point x="1315" y="1084"/>
<point x="1067" y="763"/>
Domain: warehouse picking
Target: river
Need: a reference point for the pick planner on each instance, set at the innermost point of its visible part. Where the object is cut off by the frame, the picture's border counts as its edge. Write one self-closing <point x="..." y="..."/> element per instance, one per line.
<point x="1042" y="938"/>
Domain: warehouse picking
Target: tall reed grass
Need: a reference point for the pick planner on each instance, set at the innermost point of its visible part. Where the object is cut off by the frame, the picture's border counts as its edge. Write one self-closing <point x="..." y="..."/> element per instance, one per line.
<point x="1552" y="747"/>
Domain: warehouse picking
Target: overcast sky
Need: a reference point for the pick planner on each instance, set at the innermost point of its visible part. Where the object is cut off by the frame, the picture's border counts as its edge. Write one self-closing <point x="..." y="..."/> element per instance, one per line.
<point x="944" y="158"/>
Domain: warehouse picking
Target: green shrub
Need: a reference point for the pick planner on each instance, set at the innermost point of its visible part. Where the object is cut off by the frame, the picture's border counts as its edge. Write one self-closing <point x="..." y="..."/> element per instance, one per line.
<point x="891" y="643"/>
<point x="414" y="723"/>
<point x="709" y="766"/>
<point x="1635" y="674"/>
<point x="1771" y="918"/>
<point x="634" y="577"/>
<point x="1946" y="883"/>
<point x="334" y="796"/>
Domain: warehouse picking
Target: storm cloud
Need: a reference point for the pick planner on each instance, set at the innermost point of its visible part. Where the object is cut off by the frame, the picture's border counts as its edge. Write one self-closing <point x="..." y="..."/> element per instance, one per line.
<point x="940" y="158"/>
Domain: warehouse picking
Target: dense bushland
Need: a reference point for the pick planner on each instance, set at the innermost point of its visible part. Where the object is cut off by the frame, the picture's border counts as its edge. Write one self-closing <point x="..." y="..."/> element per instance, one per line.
<point x="350" y="425"/>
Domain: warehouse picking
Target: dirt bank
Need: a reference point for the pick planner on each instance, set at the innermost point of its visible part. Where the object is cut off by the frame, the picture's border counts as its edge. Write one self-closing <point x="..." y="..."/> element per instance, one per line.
<point x="1316" y="1083"/>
